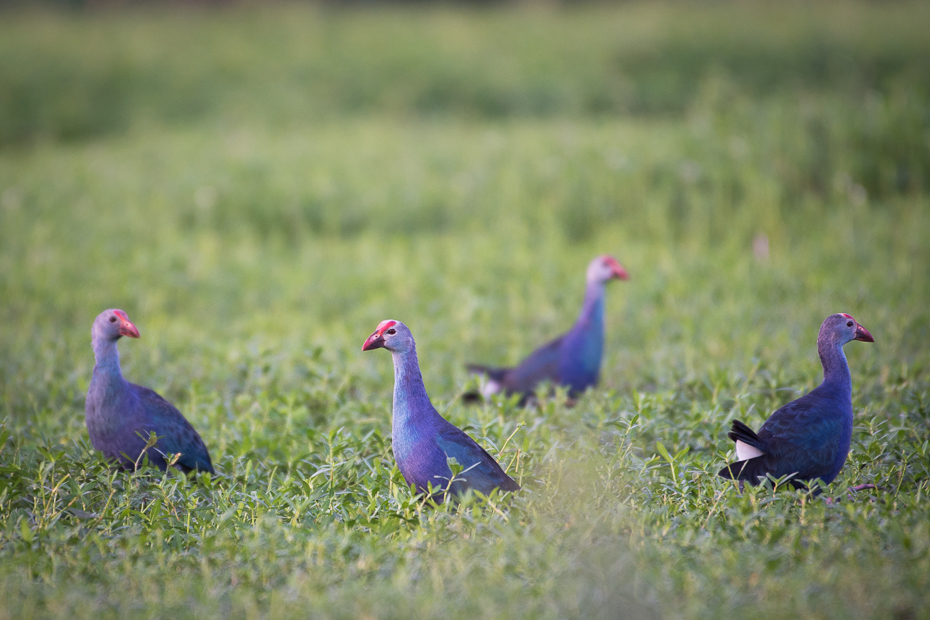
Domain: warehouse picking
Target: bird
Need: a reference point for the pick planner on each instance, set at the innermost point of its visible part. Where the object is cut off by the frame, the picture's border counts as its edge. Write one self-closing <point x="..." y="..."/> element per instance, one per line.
<point x="121" y="416"/>
<point x="573" y="359"/>
<point x="809" y="437"/>
<point x="422" y="440"/>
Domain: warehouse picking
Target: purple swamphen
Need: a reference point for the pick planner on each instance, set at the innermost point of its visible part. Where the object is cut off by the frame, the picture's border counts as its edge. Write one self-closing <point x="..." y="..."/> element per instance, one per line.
<point x="423" y="440"/>
<point x="809" y="437"/>
<point x="121" y="415"/>
<point x="573" y="359"/>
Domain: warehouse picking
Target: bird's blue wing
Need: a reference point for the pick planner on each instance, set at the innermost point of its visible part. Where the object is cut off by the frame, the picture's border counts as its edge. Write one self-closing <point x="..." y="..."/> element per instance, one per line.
<point x="803" y="437"/>
<point x="176" y="434"/>
<point x="541" y="365"/>
<point x="482" y="472"/>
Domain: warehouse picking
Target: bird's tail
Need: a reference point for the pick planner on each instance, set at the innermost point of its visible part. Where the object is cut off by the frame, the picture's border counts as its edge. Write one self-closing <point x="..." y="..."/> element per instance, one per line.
<point x="491" y="385"/>
<point x="472" y="398"/>
<point x="749" y="471"/>
<point x="741" y="432"/>
<point x="494" y="374"/>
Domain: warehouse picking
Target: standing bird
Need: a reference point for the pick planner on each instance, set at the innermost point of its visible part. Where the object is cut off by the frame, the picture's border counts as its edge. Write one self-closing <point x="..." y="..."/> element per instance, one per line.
<point x="808" y="437"/>
<point x="573" y="359"/>
<point x="423" y="440"/>
<point x="121" y="415"/>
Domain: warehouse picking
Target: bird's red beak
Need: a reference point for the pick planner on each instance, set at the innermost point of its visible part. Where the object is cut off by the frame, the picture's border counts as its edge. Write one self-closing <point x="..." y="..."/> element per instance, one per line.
<point x="618" y="271"/>
<point x="126" y="328"/>
<point x="863" y="334"/>
<point x="376" y="340"/>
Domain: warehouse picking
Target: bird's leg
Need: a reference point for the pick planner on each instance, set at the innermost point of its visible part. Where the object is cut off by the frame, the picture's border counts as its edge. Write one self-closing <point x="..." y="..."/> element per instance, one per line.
<point x="861" y="487"/>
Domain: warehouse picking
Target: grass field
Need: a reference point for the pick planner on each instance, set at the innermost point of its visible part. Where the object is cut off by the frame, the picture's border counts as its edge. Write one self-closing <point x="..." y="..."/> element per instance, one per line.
<point x="258" y="188"/>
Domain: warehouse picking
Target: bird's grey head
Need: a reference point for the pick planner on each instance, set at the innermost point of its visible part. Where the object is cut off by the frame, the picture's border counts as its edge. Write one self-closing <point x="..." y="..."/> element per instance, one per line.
<point x="391" y="335"/>
<point x="605" y="268"/>
<point x="842" y="328"/>
<point x="111" y="325"/>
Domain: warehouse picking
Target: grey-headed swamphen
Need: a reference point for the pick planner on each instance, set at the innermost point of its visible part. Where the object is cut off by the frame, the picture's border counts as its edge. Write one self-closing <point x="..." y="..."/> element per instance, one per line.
<point x="121" y="415"/>
<point x="809" y="437"/>
<point x="573" y="359"/>
<point x="423" y="440"/>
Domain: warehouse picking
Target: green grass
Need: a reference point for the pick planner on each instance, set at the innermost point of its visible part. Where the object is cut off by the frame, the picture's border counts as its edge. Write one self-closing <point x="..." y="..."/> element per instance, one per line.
<point x="257" y="189"/>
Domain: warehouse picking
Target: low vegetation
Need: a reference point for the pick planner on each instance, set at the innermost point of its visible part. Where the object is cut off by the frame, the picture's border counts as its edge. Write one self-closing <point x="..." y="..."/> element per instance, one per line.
<point x="259" y="188"/>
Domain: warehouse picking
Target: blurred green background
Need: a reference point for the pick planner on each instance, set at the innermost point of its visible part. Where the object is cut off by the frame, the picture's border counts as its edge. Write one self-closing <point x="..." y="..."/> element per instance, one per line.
<point x="259" y="185"/>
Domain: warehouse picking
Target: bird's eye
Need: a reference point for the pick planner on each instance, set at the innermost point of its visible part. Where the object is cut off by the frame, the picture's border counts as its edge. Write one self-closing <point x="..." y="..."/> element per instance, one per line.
<point x="849" y="324"/>
<point x="113" y="319"/>
<point x="392" y="331"/>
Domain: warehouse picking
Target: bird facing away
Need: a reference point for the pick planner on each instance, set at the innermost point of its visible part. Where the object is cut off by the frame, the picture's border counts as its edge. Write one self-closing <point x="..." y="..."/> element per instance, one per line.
<point x="573" y="359"/>
<point x="423" y="440"/>
<point x="808" y="437"/>
<point x="117" y="412"/>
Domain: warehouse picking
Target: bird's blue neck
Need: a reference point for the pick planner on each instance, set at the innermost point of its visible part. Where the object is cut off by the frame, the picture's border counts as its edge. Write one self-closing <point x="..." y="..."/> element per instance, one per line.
<point x="592" y="311"/>
<point x="107" y="359"/>
<point x="583" y="346"/>
<point x="411" y="403"/>
<point x="836" y="375"/>
<point x="837" y="384"/>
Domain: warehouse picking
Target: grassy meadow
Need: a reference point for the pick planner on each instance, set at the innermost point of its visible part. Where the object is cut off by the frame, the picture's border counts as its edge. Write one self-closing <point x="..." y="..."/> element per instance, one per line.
<point x="258" y="188"/>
